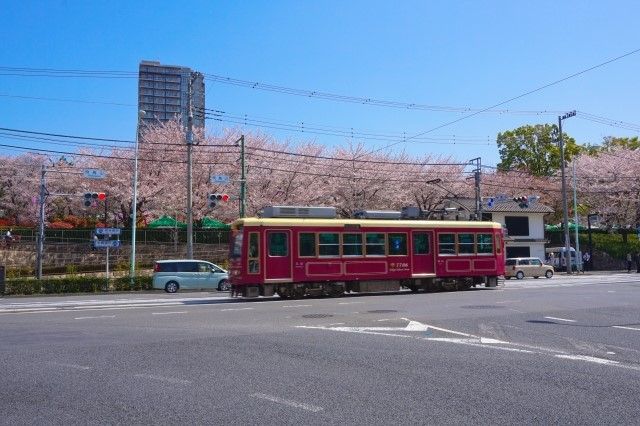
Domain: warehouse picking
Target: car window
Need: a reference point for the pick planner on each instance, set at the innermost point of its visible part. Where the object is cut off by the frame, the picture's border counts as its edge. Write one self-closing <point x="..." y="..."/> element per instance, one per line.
<point x="204" y="267"/>
<point x="187" y="267"/>
<point x="166" y="267"/>
<point x="536" y="262"/>
<point x="523" y="262"/>
<point x="511" y="262"/>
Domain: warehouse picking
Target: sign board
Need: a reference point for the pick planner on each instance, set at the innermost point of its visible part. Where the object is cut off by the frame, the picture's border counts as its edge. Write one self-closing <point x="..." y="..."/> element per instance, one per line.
<point x="501" y="198"/>
<point x="106" y="243"/>
<point x="219" y="179"/>
<point x="490" y="202"/>
<point x="94" y="173"/>
<point x="108" y="231"/>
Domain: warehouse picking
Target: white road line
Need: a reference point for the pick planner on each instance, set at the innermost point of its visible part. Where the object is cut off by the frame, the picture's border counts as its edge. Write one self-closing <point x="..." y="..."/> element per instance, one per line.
<point x="99" y="316"/>
<point x="588" y="359"/>
<point x="560" y="319"/>
<point x="75" y="366"/>
<point x="384" y="319"/>
<point x="163" y="379"/>
<point x="337" y="323"/>
<point x="236" y="309"/>
<point x="626" y="328"/>
<point x="349" y="303"/>
<point x="611" y="291"/>
<point x="296" y="306"/>
<point x="290" y="403"/>
<point x="168" y="313"/>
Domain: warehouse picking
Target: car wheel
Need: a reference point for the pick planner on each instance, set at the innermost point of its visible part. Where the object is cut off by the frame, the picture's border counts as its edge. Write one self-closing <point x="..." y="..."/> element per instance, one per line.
<point x="520" y="275"/>
<point x="507" y="278"/>
<point x="171" y="287"/>
<point x="549" y="273"/>
<point x="224" y="285"/>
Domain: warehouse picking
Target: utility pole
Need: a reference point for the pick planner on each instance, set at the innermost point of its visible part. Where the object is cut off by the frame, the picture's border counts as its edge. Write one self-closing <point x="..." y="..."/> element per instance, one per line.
<point x="476" y="176"/>
<point x="243" y="179"/>
<point x="575" y="218"/>
<point x="40" y="239"/>
<point x="134" y="211"/>
<point x="190" y="175"/>
<point x="565" y="212"/>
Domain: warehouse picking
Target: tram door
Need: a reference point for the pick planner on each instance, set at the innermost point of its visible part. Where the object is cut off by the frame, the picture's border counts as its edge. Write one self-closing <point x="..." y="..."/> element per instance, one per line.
<point x="422" y="252"/>
<point x="278" y="255"/>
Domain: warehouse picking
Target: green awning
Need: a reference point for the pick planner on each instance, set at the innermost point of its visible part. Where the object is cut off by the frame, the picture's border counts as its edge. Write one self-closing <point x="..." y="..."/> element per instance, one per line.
<point x="211" y="223"/>
<point x="166" y="222"/>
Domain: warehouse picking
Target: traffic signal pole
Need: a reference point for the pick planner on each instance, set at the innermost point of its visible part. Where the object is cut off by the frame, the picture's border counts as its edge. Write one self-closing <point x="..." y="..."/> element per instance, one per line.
<point x="190" y="176"/>
<point x="565" y="212"/>
<point x="40" y="239"/>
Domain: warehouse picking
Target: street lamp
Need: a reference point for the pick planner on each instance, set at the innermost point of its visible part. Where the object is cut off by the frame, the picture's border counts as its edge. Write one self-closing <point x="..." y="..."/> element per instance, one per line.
<point x="565" y="213"/>
<point x="132" y="266"/>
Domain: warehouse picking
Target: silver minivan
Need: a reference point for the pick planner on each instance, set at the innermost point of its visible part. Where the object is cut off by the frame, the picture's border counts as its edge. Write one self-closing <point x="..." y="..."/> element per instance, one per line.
<point x="172" y="275"/>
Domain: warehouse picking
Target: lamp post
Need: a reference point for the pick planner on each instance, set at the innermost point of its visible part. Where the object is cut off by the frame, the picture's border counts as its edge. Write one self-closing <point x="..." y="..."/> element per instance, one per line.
<point x="134" y="212"/>
<point x="565" y="212"/>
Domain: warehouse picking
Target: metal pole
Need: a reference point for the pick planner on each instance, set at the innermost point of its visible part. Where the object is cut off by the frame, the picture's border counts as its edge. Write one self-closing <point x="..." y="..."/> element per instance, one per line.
<point x="477" y="186"/>
<point x="40" y="239"/>
<point x="565" y="215"/>
<point x="243" y="178"/>
<point x="190" y="179"/>
<point x="575" y="219"/>
<point x="134" y="212"/>
<point x="590" y="243"/>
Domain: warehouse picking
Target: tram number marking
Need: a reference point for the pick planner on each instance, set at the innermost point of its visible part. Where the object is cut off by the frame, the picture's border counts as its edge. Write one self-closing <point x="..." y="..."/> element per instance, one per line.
<point x="398" y="266"/>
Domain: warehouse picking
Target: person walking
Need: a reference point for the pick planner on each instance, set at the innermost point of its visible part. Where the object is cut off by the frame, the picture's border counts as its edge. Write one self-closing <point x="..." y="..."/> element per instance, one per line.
<point x="586" y="257"/>
<point x="8" y="238"/>
<point x="629" y="262"/>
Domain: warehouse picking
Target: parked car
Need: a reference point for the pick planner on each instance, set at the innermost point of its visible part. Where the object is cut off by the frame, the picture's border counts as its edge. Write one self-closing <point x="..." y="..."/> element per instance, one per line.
<point x="521" y="267"/>
<point x="172" y="275"/>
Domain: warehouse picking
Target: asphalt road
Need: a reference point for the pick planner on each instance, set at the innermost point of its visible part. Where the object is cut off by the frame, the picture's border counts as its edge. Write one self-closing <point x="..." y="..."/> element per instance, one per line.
<point x="565" y="350"/>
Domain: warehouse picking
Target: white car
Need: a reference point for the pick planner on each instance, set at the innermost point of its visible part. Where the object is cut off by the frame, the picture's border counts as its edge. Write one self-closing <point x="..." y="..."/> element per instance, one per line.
<point x="173" y="275"/>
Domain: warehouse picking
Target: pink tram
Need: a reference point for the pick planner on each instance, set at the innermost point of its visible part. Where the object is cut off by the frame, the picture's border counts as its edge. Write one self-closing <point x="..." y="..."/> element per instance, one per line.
<point x="298" y="251"/>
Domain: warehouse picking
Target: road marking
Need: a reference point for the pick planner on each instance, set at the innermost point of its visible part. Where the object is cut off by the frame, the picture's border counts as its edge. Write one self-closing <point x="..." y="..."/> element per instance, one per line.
<point x="626" y="328"/>
<point x="508" y="301"/>
<point x="337" y="323"/>
<point x="99" y="316"/>
<point x="349" y="303"/>
<point x="560" y="319"/>
<point x="236" y="309"/>
<point x="611" y="291"/>
<point x="611" y="353"/>
<point x="168" y="313"/>
<point x="384" y="319"/>
<point x="588" y="359"/>
<point x="290" y="403"/>
<point x="296" y="306"/>
<point x="163" y="379"/>
<point x="76" y="366"/>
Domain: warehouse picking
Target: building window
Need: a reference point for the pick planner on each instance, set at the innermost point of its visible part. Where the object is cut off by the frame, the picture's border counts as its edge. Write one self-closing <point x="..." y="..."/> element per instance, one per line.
<point x="517" y="226"/>
<point x="397" y="244"/>
<point x="352" y="244"/>
<point x="328" y="244"/>
<point x="307" y="244"/>
<point x="375" y="244"/>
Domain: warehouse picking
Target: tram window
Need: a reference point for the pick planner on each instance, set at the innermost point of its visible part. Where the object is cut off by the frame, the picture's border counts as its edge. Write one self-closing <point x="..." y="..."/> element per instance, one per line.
<point x="498" y="244"/>
<point x="352" y="244"/>
<point x="446" y="244"/>
<point x="465" y="244"/>
<point x="421" y="243"/>
<point x="375" y="244"/>
<point x="278" y="244"/>
<point x="307" y="244"/>
<point x="236" y="250"/>
<point x="328" y="244"/>
<point x="254" y="253"/>
<point x="485" y="244"/>
<point x="397" y="244"/>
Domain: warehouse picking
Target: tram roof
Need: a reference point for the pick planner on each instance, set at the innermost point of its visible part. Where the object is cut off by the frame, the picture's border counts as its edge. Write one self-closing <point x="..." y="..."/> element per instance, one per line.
<point x="364" y="223"/>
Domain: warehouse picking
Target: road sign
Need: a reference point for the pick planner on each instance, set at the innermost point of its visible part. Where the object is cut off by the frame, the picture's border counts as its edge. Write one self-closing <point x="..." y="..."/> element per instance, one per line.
<point x="490" y="201"/>
<point x="107" y="243"/>
<point x="501" y="198"/>
<point x="219" y="179"/>
<point x="95" y="173"/>
<point x="108" y="231"/>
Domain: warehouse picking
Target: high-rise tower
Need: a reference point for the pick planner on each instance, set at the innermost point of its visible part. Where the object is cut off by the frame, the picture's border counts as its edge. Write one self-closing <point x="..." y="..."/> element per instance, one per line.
<point x="163" y="93"/>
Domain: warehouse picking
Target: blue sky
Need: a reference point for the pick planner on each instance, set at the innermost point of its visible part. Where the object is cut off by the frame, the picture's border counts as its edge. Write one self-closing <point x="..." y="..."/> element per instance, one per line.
<point x="442" y="53"/>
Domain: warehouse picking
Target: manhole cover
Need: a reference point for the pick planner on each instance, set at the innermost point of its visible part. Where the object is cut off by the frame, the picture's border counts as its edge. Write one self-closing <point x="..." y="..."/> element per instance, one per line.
<point x="381" y="311"/>
<point x="317" y="316"/>
<point x="483" y="307"/>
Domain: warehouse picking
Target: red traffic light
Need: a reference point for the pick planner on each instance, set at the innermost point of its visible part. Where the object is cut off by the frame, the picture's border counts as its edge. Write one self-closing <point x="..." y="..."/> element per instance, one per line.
<point x="225" y="197"/>
<point x="102" y="196"/>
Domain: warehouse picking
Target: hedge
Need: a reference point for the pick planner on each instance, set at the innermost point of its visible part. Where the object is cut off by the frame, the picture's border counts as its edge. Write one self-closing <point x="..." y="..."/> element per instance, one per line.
<point x="74" y="284"/>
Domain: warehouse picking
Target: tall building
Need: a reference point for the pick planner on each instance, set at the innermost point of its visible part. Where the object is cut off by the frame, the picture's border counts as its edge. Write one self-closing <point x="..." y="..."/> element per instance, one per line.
<point x="163" y="93"/>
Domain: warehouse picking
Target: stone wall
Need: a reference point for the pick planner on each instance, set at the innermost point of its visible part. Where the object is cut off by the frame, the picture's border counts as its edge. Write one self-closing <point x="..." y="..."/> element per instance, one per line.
<point x="60" y="255"/>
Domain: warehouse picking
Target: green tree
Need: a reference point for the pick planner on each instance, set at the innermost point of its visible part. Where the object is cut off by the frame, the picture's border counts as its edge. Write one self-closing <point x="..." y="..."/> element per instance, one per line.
<point x="534" y="149"/>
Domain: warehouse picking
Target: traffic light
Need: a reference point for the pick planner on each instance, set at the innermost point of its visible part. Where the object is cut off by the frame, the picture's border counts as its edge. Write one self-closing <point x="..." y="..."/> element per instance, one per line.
<point x="90" y="197"/>
<point x="217" y="198"/>
<point x="523" y="202"/>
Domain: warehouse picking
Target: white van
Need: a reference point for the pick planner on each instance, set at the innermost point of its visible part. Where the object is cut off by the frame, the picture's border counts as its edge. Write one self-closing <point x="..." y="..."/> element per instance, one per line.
<point x="172" y="275"/>
<point x="556" y="258"/>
